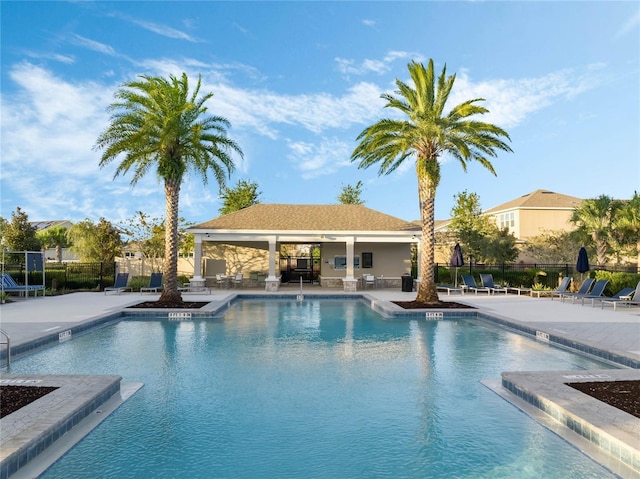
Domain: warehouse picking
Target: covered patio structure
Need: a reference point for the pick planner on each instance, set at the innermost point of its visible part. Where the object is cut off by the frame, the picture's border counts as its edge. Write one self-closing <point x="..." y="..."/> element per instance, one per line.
<point x="343" y="242"/>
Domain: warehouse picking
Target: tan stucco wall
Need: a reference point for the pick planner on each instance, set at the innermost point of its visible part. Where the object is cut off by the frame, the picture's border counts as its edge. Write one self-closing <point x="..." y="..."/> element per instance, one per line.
<point x="239" y="257"/>
<point x="388" y="259"/>
<point x="535" y="222"/>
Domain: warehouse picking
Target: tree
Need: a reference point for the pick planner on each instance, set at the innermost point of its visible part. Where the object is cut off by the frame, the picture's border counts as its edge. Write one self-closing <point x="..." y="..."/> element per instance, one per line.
<point x="158" y="125"/>
<point x="628" y="223"/>
<point x="553" y="247"/>
<point x="243" y="195"/>
<point x="425" y="134"/>
<point x="54" y="237"/>
<point x="468" y="226"/>
<point x="99" y="243"/>
<point x="595" y="219"/>
<point x="19" y="235"/>
<point x="350" y="195"/>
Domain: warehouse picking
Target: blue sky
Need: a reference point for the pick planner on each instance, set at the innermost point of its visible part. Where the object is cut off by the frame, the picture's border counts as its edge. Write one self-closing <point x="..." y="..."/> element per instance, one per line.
<point x="299" y="80"/>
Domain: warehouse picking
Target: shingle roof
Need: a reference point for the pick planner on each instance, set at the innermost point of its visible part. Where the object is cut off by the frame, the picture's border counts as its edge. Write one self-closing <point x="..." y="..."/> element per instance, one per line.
<point x="538" y="199"/>
<point x="295" y="217"/>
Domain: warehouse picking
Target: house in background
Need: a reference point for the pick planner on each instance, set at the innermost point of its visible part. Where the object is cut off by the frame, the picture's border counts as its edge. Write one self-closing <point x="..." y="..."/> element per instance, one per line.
<point x="525" y="217"/>
<point x="50" y="253"/>
<point x="534" y="213"/>
<point x="333" y="245"/>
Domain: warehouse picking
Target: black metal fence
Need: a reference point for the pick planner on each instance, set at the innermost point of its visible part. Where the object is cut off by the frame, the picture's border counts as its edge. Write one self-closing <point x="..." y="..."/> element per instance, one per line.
<point x="522" y="274"/>
<point x="66" y="276"/>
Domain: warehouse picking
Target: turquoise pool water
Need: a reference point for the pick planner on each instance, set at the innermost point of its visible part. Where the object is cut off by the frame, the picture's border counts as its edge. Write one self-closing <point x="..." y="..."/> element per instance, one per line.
<point x="318" y="389"/>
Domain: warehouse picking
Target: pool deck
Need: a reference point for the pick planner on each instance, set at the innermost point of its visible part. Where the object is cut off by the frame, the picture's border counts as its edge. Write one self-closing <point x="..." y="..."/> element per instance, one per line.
<point x="28" y="320"/>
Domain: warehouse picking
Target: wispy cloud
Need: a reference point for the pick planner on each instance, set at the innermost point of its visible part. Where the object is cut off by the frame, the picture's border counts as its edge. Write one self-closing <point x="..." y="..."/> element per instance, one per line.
<point x="631" y="23"/>
<point x="350" y="67"/>
<point x="92" y="45"/>
<point x="368" y="22"/>
<point x="319" y="159"/>
<point x="158" y="28"/>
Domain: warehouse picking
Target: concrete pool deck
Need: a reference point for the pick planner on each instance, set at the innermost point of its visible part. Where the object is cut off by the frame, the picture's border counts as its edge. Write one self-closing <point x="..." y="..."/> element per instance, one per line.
<point x="28" y="320"/>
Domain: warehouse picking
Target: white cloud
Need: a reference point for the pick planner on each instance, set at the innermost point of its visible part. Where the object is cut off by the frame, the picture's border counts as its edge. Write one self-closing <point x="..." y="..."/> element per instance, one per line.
<point x="319" y="159"/>
<point x="351" y="67"/>
<point x="368" y="22"/>
<point x="631" y="23"/>
<point x="93" y="45"/>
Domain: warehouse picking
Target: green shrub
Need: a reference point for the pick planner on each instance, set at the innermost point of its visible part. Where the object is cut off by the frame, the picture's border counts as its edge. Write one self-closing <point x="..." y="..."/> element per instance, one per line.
<point x="617" y="281"/>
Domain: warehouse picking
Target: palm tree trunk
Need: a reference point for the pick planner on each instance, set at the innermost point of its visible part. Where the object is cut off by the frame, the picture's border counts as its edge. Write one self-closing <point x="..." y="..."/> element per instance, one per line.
<point x="170" y="293"/>
<point x="427" y="292"/>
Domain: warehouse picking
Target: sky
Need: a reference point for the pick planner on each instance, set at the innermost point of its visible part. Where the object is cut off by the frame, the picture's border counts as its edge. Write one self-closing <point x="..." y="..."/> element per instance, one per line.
<point x="298" y="81"/>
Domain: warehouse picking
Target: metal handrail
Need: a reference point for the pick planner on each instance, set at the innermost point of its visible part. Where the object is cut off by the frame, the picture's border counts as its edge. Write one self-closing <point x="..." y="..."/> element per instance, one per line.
<point x="8" y="343"/>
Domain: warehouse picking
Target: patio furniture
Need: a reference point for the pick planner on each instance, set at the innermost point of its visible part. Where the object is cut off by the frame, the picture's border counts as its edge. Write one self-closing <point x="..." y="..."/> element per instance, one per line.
<point x="449" y="289"/>
<point x="623" y="293"/>
<point x="238" y="280"/>
<point x="487" y="281"/>
<point x="155" y="284"/>
<point x="629" y="300"/>
<point x="596" y="292"/>
<point x="10" y="286"/>
<point x="368" y="280"/>
<point x="120" y="284"/>
<point x="584" y="290"/>
<point x="470" y="284"/>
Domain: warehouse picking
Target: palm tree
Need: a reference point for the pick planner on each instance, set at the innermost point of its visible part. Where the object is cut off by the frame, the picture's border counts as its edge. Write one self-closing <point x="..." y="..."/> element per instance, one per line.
<point x="629" y="222"/>
<point x="596" y="218"/>
<point x="425" y="134"/>
<point x="54" y="237"/>
<point x="157" y="124"/>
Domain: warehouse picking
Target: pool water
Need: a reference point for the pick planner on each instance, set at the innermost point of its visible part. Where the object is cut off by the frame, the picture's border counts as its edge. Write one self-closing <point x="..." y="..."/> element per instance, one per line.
<point x="317" y="389"/>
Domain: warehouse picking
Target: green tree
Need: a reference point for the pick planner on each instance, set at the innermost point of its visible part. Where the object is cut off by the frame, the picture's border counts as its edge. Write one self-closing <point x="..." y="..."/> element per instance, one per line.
<point x="148" y="234"/>
<point x="157" y="124"/>
<point x="54" y="237"/>
<point x="99" y="243"/>
<point x="350" y="194"/>
<point x="500" y="246"/>
<point x="595" y="219"/>
<point x="243" y="195"/>
<point x="425" y="134"/>
<point x="553" y="247"/>
<point x="468" y="226"/>
<point x="19" y="235"/>
<point x="628" y="223"/>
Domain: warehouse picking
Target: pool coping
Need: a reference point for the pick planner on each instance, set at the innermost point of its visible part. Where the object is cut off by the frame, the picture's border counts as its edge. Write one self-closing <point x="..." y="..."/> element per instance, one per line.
<point x="79" y="403"/>
<point x="605" y="433"/>
<point x="389" y="310"/>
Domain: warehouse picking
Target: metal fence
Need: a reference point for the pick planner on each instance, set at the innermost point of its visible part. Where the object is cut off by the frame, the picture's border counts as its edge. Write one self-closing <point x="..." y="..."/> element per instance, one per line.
<point x="67" y="276"/>
<point x="523" y="274"/>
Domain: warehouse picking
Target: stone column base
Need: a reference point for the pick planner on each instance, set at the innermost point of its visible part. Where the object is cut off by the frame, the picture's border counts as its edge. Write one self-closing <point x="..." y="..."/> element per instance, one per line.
<point x="271" y="285"/>
<point x="350" y="285"/>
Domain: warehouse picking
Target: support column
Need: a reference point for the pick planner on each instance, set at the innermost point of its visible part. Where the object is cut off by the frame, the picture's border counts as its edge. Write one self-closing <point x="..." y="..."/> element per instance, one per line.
<point x="272" y="283"/>
<point x="350" y="283"/>
<point x="197" y="257"/>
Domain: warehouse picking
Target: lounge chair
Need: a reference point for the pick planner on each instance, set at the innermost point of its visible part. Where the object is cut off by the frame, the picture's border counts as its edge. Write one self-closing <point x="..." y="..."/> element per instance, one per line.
<point x="630" y="300"/>
<point x="238" y="280"/>
<point x="120" y="284"/>
<point x="9" y="285"/>
<point x="487" y="281"/>
<point x="624" y="292"/>
<point x="596" y="292"/>
<point x="585" y="287"/>
<point x="562" y="288"/>
<point x="471" y="285"/>
<point x="449" y="289"/>
<point x="155" y="284"/>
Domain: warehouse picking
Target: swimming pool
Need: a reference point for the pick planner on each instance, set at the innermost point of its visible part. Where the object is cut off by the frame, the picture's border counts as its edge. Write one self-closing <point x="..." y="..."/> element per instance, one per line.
<point x="313" y="389"/>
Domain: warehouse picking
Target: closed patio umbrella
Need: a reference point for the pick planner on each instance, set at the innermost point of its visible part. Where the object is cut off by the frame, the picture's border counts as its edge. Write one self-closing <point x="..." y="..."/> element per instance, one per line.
<point x="456" y="260"/>
<point x="582" y="266"/>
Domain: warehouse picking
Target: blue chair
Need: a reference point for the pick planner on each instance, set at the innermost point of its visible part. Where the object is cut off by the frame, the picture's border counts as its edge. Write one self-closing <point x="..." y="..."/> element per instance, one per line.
<point x="9" y="285"/>
<point x="120" y="284"/>
<point x="629" y="300"/>
<point x="585" y="287"/>
<point x="155" y="284"/>
<point x="487" y="282"/>
<point x="624" y="292"/>
<point x="471" y="285"/>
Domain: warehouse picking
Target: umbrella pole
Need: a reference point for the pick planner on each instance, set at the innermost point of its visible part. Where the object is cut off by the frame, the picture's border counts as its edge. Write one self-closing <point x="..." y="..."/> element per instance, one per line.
<point x="456" y="279"/>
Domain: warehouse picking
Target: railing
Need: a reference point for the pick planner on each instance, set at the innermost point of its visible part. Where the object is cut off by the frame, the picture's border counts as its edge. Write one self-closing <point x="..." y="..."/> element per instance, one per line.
<point x="8" y="343"/>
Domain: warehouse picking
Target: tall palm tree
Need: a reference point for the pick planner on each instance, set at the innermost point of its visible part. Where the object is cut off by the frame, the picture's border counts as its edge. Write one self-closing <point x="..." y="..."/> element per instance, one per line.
<point x="54" y="237"/>
<point x="157" y="124"/>
<point x="596" y="218"/>
<point x="424" y="135"/>
<point x="629" y="222"/>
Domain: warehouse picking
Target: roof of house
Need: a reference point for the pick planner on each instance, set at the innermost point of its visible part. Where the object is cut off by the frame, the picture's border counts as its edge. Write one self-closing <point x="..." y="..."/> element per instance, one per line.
<point x="538" y="199"/>
<point x="296" y="217"/>
<point x="43" y="225"/>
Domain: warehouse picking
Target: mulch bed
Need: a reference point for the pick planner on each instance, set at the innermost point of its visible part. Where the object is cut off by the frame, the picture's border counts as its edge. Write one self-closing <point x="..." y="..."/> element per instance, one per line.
<point x="13" y="398"/>
<point x="439" y="305"/>
<point x="624" y="395"/>
<point x="183" y="305"/>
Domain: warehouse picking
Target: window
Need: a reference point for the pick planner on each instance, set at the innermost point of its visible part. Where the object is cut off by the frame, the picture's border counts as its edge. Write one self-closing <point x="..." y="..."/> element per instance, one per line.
<point x="507" y="220"/>
<point x="340" y="262"/>
<point x="367" y="260"/>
